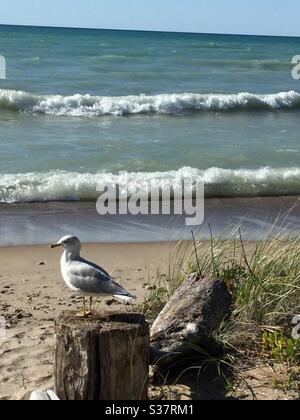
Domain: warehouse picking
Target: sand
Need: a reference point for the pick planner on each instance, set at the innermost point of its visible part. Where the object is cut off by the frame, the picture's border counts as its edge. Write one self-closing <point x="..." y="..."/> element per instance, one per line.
<point x="32" y="293"/>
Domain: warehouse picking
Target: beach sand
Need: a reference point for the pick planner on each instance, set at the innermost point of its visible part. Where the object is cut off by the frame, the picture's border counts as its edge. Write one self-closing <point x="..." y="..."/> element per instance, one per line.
<point x="32" y="293"/>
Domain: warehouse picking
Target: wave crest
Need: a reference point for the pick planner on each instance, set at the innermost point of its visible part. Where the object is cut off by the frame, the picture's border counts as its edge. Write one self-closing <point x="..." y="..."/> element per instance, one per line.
<point x="70" y="186"/>
<point x="94" y="106"/>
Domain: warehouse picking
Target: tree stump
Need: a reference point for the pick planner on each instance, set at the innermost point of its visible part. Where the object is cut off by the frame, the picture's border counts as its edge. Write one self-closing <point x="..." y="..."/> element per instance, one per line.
<point x="189" y="320"/>
<point x="102" y="357"/>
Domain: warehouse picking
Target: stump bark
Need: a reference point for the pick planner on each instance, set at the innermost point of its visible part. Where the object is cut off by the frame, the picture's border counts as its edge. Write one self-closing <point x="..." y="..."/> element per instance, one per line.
<point x="188" y="321"/>
<point x="103" y="357"/>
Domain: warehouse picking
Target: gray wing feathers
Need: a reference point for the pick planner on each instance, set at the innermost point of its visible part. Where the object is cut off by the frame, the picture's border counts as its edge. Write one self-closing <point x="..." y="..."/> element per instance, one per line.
<point x="93" y="279"/>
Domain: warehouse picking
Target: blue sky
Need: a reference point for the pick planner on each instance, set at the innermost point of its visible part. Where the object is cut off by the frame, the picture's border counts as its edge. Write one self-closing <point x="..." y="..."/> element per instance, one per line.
<point x="266" y="17"/>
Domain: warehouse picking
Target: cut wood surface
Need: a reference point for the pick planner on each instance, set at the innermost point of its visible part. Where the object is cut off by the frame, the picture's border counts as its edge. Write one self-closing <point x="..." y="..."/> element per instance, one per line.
<point x="102" y="357"/>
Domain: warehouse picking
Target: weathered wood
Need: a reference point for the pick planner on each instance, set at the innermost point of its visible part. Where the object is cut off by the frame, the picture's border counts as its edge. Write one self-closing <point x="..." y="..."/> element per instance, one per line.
<point x="193" y="313"/>
<point x="103" y="357"/>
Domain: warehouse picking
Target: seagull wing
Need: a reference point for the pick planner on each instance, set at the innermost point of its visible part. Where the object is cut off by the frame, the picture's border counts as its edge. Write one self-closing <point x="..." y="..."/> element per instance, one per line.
<point x="93" y="279"/>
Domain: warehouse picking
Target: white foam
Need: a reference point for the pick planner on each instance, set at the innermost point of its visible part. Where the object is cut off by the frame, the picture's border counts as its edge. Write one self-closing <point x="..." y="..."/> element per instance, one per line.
<point x="69" y="186"/>
<point x="93" y="106"/>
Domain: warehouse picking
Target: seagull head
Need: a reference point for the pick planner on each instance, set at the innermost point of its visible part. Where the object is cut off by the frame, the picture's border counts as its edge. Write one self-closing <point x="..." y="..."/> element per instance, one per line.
<point x="69" y="243"/>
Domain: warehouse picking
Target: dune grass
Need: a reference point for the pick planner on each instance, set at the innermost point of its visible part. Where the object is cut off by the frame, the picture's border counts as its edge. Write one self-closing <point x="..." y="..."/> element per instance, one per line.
<point x="264" y="279"/>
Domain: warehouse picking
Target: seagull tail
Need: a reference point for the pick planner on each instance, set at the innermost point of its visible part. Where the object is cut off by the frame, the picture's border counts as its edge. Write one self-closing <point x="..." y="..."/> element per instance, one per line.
<point x="126" y="298"/>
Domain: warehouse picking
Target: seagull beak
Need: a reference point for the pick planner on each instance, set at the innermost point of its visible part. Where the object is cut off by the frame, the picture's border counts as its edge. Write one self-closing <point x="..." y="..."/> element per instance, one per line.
<point x="54" y="246"/>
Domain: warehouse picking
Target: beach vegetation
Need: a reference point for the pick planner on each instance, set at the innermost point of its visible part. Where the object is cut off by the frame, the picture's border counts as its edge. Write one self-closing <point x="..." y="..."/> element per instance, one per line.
<point x="264" y="279"/>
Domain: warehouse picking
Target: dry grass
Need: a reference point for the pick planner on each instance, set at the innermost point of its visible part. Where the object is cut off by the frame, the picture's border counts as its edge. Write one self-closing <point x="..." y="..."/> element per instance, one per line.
<point x="264" y="280"/>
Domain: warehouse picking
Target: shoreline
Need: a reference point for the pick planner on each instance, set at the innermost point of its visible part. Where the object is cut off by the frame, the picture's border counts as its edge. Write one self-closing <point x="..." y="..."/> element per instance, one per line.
<point x="43" y="223"/>
<point x="88" y="203"/>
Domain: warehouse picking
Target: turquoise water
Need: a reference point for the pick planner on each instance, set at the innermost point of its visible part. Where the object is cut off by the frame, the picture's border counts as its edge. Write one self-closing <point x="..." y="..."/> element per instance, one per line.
<point x="79" y="106"/>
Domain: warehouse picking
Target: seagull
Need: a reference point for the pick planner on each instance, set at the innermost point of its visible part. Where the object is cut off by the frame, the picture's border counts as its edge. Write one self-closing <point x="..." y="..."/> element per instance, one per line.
<point x="86" y="278"/>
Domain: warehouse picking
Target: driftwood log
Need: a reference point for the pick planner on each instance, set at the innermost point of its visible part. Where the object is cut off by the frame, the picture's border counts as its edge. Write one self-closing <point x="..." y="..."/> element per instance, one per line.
<point x="188" y="321"/>
<point x="103" y="357"/>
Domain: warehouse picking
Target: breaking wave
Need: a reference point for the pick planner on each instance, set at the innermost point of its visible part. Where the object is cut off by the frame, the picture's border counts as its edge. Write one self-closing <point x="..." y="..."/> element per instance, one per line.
<point x="70" y="186"/>
<point x="174" y="104"/>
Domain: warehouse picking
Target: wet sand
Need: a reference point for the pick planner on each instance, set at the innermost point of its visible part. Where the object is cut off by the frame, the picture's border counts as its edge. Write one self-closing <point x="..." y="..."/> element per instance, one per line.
<point x="41" y="223"/>
<point x="32" y="292"/>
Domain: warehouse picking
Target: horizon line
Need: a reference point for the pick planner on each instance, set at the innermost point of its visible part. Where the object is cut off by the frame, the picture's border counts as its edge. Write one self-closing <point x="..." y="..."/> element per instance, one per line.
<point x="146" y="31"/>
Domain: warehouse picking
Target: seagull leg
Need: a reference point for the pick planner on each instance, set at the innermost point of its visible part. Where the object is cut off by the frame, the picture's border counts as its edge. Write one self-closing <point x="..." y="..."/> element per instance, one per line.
<point x="90" y="306"/>
<point x="84" y="313"/>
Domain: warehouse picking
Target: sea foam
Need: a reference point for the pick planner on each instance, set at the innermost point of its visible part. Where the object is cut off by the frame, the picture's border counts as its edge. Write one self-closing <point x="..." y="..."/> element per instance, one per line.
<point x="71" y="186"/>
<point x="176" y="104"/>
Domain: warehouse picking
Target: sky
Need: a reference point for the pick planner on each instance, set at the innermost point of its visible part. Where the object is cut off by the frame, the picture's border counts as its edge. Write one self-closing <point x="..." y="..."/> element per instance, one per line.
<point x="260" y="17"/>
